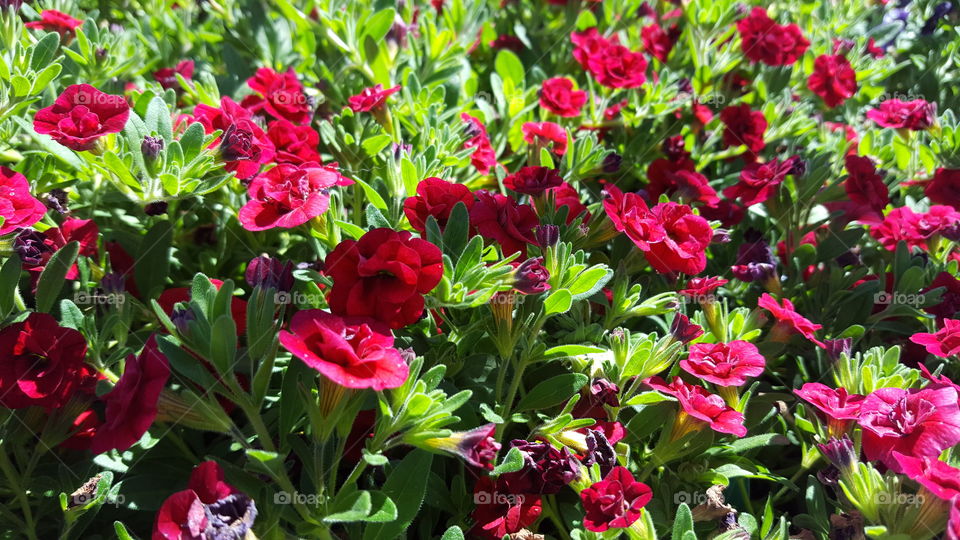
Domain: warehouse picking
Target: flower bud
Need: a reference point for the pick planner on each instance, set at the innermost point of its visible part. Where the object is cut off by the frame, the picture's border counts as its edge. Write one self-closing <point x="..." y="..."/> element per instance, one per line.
<point x="268" y="273"/>
<point x="547" y="235"/>
<point x="156" y="208"/>
<point x="151" y="147"/>
<point x="30" y="245"/>
<point x="477" y="447"/>
<point x="238" y="144"/>
<point x="531" y="277"/>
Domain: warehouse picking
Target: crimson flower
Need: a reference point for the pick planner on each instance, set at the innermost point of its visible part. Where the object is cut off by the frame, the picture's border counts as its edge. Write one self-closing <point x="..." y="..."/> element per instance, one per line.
<point x="788" y="318"/>
<point x="501" y="219"/>
<point x="131" y="406"/>
<point x="500" y="512"/>
<point x="17" y="206"/>
<point x="743" y="126"/>
<point x="43" y="363"/>
<point x="558" y="96"/>
<point x="938" y="477"/>
<point x="916" y="115"/>
<point x="916" y="423"/>
<point x="567" y="195"/>
<point x="945" y="342"/>
<point x="833" y="79"/>
<point x="759" y="181"/>
<point x="484" y="157"/>
<point x="83" y="231"/>
<point x="702" y="287"/>
<point x="699" y="408"/>
<point x="371" y="98"/>
<point x="294" y="144"/>
<point x="950" y="301"/>
<point x="683" y="330"/>
<point x="545" y="133"/>
<point x="866" y="190"/>
<point x="763" y="40"/>
<point x="616" y="502"/>
<point x="353" y="352"/>
<point x="658" y="42"/>
<point x="52" y="20"/>
<point x="167" y="77"/>
<point x="835" y="405"/>
<point x="435" y="197"/>
<point x="900" y="225"/>
<point x="679" y="177"/>
<point x="612" y="64"/>
<point x="384" y="276"/>
<point x="724" y="364"/>
<point x="278" y="94"/>
<point x="248" y="134"/>
<point x="944" y="187"/>
<point x="533" y="181"/>
<point x="289" y="195"/>
<point x="81" y="115"/>
<point x="531" y="277"/>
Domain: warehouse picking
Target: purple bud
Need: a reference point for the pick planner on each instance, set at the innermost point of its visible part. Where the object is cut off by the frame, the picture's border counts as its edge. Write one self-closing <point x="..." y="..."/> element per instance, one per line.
<point x="611" y="163"/>
<point x="156" y="208"/>
<point x="113" y="283"/>
<point x="721" y="236"/>
<point x="836" y="347"/>
<point x="30" y="245"/>
<point x="531" y="277"/>
<point x="547" y="235"/>
<point x="56" y="200"/>
<point x="269" y="273"/>
<point x="685" y="86"/>
<point x="151" y="147"/>
<point x="181" y="319"/>
<point x="840" y="453"/>
<point x="546" y="470"/>
<point x="599" y="451"/>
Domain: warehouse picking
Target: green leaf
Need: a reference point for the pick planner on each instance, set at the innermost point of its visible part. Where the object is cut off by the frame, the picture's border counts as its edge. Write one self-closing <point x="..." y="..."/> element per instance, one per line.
<point x="553" y="391"/>
<point x="223" y="344"/>
<point x="374" y="145"/>
<point x="70" y="314"/>
<point x="121" y="531"/>
<point x="372" y="196"/>
<point x="683" y="523"/>
<point x="509" y="67"/>
<point x="44" y="51"/>
<point x="406" y="484"/>
<point x="566" y="351"/>
<point x="153" y="259"/>
<point x="512" y="462"/>
<point x="379" y="24"/>
<point x="375" y="219"/>
<point x="157" y="119"/>
<point x="362" y="506"/>
<point x="590" y="281"/>
<point x="453" y="533"/>
<point x="54" y="275"/>
<point x="456" y="233"/>
<point x="559" y="301"/>
<point x="9" y="280"/>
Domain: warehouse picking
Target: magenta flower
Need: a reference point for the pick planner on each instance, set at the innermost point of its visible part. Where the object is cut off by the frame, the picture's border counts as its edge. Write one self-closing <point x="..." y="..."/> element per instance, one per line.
<point x="699" y="408"/>
<point x="835" y="406"/>
<point x="944" y="342"/>
<point x="788" y="319"/>
<point x="724" y="364"/>
<point x="916" y="423"/>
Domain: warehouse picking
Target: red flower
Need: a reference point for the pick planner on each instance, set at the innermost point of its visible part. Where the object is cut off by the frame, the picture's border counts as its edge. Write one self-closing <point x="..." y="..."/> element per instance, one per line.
<point x="384" y="276"/>
<point x="916" y="423"/>
<point x="294" y="144"/>
<point x="181" y="517"/>
<point x="944" y="187"/>
<point x="476" y="447"/>
<point x="167" y="77"/>
<point x="435" y="197"/>
<point x="786" y="315"/>
<point x="230" y="114"/>
<point x="530" y="277"/>
<point x="679" y="177"/>
<point x="865" y="188"/>
<point x="533" y="181"/>
<point x="43" y="363"/>
<point x="484" y="156"/>
<point x="17" y="207"/>
<point x="52" y="20"/>
<point x="209" y="508"/>
<point x="83" y="231"/>
<point x="763" y="40"/>
<point x="833" y="79"/>
<point x="900" y="225"/>
<point x="81" y="115"/>
<point x="371" y="98"/>
<point x="289" y="195"/>
<point x="499" y="218"/>
<point x="499" y="512"/>
<point x="743" y="126"/>
<point x="724" y="364"/>
<point x="657" y="42"/>
<point x="700" y="407"/>
<point x="758" y="181"/>
<point x="616" y="502"/>
<point x="209" y="483"/>
<point x="567" y="195"/>
<point x="944" y="342"/>
<point x="937" y="476"/>
<point x="612" y="64"/>
<point x="836" y="406"/>
<point x="702" y="287"/>
<point x="543" y="134"/>
<point x="352" y="352"/>
<point x="278" y="94"/>
<point x="558" y="96"/>
<point x="915" y="115"/>
<point x="131" y="406"/>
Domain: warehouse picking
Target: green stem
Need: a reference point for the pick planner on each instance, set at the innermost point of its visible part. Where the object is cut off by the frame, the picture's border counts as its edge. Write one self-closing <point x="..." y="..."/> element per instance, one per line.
<point x="20" y="494"/>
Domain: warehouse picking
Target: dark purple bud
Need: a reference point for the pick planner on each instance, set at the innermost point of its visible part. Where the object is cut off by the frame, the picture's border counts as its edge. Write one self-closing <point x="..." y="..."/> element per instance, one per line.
<point x="101" y="53"/>
<point x="156" y="208"/>
<point x="478" y="447"/>
<point x="30" y="245"/>
<point x="547" y="235"/>
<point x="951" y="232"/>
<point x="181" y="319"/>
<point x="230" y="518"/>
<point x="531" y="277"/>
<point x="113" y="283"/>
<point x="836" y="347"/>
<point x="205" y="235"/>
<point x="852" y="257"/>
<point x="674" y="148"/>
<point x="399" y="150"/>
<point x="611" y="163"/>
<point x="546" y="470"/>
<point x="238" y="144"/>
<point x="685" y="86"/>
<point x="751" y="272"/>
<point x="151" y="147"/>
<point x="269" y="273"/>
<point x="646" y="11"/>
<point x="798" y="166"/>
<point x="721" y="236"/>
<point x="829" y="476"/>
<point x="939" y="12"/>
<point x="683" y="330"/>
<point x="408" y="355"/>
<point x="56" y="200"/>
<point x="599" y="451"/>
<point x="840" y="453"/>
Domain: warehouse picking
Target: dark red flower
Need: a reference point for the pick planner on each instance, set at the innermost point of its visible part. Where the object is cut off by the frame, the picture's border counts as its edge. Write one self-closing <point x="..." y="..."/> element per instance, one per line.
<point x="383" y="276"/>
<point x="435" y="197"/>
<point x="43" y="363"/>
<point x="83" y="231"/>
<point x="181" y="517"/>
<point x="916" y="423"/>
<point x="81" y="115"/>
<point x="833" y="79"/>
<point x="866" y="190"/>
<point x="18" y="207"/>
<point x="371" y="98"/>
<point x="940" y="479"/>
<point x="531" y="277"/>
<point x="759" y="181"/>
<point x="679" y="177"/>
<point x="763" y="40"/>
<point x="949" y="303"/>
<point x="743" y="126"/>
<point x="499" y="218"/>
<point x="230" y="114"/>
<point x="683" y="330"/>
<point x="567" y="195"/>
<point x="916" y="115"/>
<point x="52" y="20"/>
<point x="591" y="405"/>
<point x="533" y="181"/>
<point x="278" y="94"/>
<point x="658" y="42"/>
<point x="209" y="483"/>
<point x="167" y="77"/>
<point x="500" y="512"/>
<point x="612" y="64"/>
<point x="543" y="134"/>
<point x="353" y="352"/>
<point x="724" y="364"/>
<point x="944" y="187"/>
<point x="484" y="156"/>
<point x="787" y="317"/>
<point x="294" y="144"/>
<point x="615" y="502"/>
<point x="945" y="342"/>
<point x="288" y="195"/>
<point x="558" y="96"/>
<point x="546" y="470"/>
<point x="131" y="406"/>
